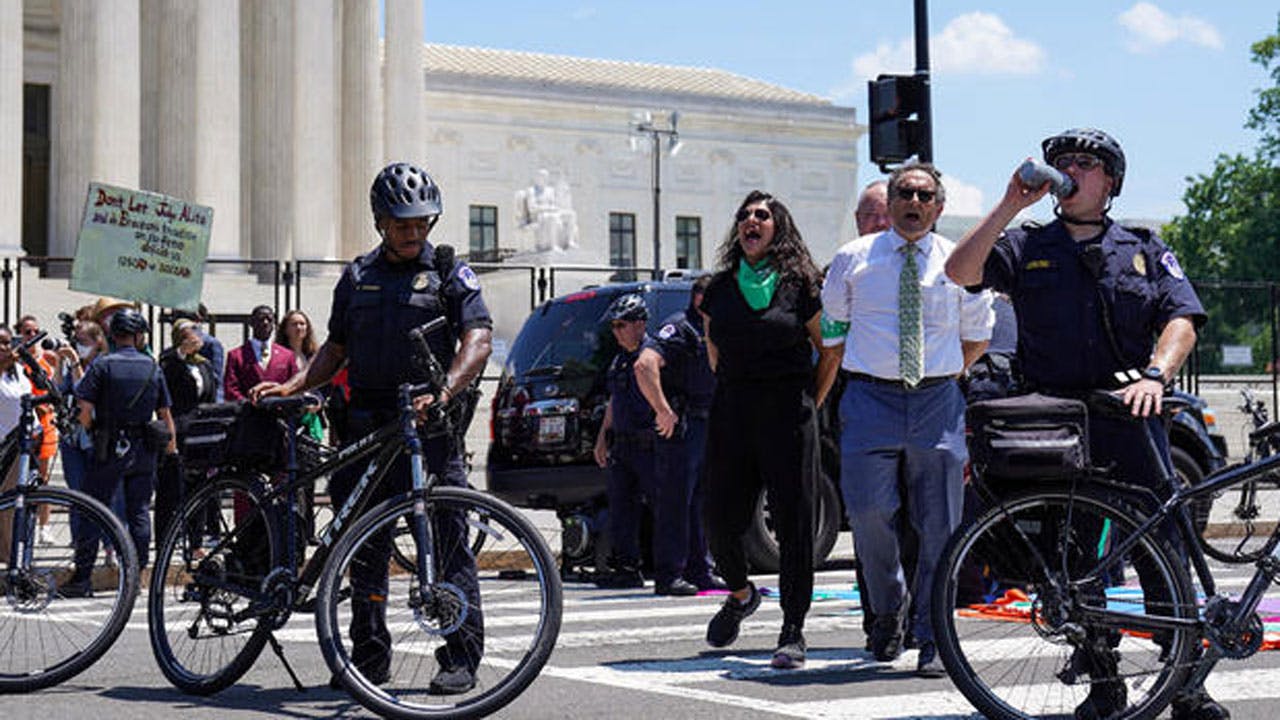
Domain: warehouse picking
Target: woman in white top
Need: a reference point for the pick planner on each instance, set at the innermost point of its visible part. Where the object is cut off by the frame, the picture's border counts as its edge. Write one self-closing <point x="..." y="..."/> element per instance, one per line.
<point x="13" y="385"/>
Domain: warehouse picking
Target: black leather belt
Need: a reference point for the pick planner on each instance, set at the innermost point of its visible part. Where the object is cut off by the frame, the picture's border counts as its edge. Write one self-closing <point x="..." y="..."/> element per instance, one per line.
<point x="894" y="382"/>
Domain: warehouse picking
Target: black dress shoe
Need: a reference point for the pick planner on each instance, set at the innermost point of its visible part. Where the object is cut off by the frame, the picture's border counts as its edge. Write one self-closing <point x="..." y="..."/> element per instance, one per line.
<point x="678" y="587"/>
<point x="621" y="579"/>
<point x="710" y="582"/>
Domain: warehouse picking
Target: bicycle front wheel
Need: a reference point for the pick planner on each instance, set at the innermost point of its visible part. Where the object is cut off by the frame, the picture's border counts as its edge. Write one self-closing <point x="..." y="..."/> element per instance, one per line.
<point x="1028" y="626"/>
<point x="388" y="634"/>
<point x="209" y="614"/>
<point x="1234" y="525"/>
<point x="54" y="621"/>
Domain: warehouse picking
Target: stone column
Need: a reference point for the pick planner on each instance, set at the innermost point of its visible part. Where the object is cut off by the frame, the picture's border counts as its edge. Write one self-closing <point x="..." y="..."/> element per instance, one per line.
<point x="404" y="88"/>
<point x="361" y="124"/>
<point x="266" y="45"/>
<point x="97" y="106"/>
<point x="11" y="127"/>
<point x="314" y="177"/>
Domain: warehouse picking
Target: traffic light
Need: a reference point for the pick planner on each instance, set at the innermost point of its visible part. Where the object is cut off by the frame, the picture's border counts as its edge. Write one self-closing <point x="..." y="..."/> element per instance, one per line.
<point x="899" y="118"/>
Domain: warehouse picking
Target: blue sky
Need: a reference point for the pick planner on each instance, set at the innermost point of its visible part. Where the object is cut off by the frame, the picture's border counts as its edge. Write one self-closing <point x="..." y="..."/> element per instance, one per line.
<point x="1170" y="79"/>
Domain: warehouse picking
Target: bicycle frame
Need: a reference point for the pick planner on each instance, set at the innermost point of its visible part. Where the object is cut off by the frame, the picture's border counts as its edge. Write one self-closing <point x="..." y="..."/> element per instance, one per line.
<point x="382" y="446"/>
<point x="20" y="548"/>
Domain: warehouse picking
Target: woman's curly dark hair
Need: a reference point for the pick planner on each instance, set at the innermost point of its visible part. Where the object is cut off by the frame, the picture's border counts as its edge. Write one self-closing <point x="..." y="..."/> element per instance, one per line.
<point x="787" y="252"/>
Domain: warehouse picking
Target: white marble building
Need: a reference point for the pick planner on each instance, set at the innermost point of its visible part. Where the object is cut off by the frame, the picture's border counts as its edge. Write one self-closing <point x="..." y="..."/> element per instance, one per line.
<point x="278" y="113"/>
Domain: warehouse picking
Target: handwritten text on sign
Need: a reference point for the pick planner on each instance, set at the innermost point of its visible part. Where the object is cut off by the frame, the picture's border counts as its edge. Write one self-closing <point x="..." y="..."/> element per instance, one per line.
<point x="142" y="246"/>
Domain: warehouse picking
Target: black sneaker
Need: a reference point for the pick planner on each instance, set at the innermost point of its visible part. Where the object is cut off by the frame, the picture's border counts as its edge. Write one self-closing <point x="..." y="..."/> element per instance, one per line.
<point x="452" y="681"/>
<point x="723" y="628"/>
<point x="678" y="587"/>
<point x="1108" y="695"/>
<point x="377" y="677"/>
<point x="886" y="638"/>
<point x="928" y="664"/>
<point x="1198" y="706"/>
<point x="80" y="589"/>
<point x="791" y="648"/>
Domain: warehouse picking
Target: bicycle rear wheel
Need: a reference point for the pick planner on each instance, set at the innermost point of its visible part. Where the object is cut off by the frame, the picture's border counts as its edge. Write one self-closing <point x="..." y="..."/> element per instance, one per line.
<point x="208" y="614"/>
<point x="1019" y="631"/>
<point x="54" y="625"/>
<point x="518" y="607"/>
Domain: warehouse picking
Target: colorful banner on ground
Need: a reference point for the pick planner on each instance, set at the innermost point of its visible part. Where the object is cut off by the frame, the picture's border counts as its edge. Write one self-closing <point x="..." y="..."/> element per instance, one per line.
<point x="142" y="246"/>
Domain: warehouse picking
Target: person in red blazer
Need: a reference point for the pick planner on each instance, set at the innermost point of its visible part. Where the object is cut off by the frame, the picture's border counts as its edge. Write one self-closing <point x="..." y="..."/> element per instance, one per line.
<point x="258" y="359"/>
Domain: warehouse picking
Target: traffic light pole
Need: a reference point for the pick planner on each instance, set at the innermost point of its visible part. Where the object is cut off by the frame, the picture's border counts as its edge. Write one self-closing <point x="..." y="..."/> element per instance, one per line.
<point x="925" y="114"/>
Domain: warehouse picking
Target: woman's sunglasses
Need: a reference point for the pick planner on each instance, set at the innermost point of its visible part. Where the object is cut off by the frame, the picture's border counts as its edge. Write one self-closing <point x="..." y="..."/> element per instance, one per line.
<point x="759" y="213"/>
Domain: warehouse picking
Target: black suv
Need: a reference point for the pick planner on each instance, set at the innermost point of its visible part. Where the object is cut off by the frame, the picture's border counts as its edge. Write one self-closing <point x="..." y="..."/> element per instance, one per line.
<point x="551" y="399"/>
<point x="548" y="408"/>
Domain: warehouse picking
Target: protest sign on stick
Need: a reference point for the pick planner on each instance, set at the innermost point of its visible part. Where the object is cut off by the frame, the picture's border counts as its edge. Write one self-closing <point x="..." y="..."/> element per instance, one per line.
<point x="142" y="246"/>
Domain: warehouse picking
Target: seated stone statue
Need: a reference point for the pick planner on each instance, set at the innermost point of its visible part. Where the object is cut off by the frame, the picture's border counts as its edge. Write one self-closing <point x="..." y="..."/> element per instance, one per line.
<point x="547" y="214"/>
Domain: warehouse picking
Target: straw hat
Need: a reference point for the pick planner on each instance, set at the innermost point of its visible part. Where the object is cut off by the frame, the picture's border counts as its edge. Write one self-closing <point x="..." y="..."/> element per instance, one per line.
<point x="108" y="304"/>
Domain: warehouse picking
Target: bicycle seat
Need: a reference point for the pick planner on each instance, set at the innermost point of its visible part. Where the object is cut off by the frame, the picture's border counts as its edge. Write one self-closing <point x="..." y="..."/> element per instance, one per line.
<point x="291" y="405"/>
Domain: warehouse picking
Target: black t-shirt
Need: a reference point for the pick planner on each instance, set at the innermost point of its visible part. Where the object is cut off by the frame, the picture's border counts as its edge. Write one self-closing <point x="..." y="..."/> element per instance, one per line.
<point x="768" y="344"/>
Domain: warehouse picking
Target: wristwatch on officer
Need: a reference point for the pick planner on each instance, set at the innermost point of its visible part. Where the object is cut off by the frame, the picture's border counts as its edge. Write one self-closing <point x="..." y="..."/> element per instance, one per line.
<point x="1154" y="373"/>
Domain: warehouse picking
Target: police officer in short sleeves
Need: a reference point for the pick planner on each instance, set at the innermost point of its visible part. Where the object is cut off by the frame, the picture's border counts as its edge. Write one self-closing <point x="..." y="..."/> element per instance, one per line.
<point x="683" y="347"/>
<point x="625" y="443"/>
<point x="401" y="285"/>
<point x="1091" y="298"/>
<point x="118" y="396"/>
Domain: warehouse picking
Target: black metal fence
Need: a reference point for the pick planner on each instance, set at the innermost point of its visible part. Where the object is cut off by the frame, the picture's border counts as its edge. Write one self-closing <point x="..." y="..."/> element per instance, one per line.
<point x="39" y="286"/>
<point x="1238" y="344"/>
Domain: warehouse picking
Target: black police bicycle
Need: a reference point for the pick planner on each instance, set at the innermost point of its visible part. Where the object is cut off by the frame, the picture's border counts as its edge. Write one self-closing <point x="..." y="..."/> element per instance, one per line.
<point x="54" y="625"/>
<point x="217" y="601"/>
<point x="1064" y="592"/>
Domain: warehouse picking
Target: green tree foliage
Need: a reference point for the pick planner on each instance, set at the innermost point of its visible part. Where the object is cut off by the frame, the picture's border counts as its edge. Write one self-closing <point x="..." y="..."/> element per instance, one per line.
<point x="1229" y="240"/>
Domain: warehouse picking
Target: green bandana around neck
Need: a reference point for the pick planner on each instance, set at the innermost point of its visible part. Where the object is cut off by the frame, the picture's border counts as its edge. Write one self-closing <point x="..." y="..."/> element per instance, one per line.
<point x="757" y="283"/>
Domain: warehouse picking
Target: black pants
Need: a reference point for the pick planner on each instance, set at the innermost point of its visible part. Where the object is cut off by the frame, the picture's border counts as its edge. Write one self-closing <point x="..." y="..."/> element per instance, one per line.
<point x="763" y="435"/>
<point x="370" y="639"/>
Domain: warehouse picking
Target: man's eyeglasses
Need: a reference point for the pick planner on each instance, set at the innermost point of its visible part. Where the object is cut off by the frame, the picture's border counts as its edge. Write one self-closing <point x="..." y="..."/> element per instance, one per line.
<point x="1082" y="161"/>
<point x="759" y="213"/>
<point x="925" y="196"/>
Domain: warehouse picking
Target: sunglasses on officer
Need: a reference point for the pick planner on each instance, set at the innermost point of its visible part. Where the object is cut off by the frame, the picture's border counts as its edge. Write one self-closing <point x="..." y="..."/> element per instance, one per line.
<point x="760" y="214"/>
<point x="1083" y="161"/>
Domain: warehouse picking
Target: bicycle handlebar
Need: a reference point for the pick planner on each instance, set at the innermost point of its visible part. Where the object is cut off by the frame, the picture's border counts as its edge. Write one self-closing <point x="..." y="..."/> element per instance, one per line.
<point x="290" y="404"/>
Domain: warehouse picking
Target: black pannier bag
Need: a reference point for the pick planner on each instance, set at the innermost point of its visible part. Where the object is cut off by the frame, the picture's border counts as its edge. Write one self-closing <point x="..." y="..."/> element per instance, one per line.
<point x="1028" y="437"/>
<point x="232" y="433"/>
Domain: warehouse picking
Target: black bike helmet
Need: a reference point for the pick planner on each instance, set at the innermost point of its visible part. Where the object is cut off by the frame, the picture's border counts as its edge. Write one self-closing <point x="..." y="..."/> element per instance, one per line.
<point x="628" y="307"/>
<point x="128" y="322"/>
<point x="404" y="190"/>
<point x="1092" y="141"/>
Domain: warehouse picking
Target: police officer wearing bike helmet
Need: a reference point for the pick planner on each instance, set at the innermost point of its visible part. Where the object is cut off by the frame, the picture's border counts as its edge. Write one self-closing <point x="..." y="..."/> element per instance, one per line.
<point x="118" y="396"/>
<point x="625" y="442"/>
<point x="402" y="284"/>
<point x="1092" y="298"/>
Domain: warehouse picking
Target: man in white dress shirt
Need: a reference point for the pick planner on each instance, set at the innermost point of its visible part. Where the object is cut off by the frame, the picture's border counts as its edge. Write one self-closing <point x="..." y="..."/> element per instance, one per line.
<point x="907" y="332"/>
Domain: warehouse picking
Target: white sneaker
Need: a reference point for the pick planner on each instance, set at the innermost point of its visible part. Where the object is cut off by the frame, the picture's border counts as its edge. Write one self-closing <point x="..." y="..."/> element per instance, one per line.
<point x="43" y="536"/>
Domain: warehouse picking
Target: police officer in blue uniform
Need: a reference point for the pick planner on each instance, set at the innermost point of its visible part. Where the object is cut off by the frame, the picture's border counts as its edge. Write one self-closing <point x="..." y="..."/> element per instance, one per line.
<point x="626" y="445"/>
<point x="400" y="285"/>
<point x="1091" y="296"/>
<point x="682" y="347"/>
<point x="118" y="395"/>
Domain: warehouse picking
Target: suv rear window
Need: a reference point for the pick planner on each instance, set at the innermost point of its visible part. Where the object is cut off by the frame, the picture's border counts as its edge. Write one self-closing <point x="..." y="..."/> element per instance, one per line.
<point x="563" y="333"/>
<point x="570" y="334"/>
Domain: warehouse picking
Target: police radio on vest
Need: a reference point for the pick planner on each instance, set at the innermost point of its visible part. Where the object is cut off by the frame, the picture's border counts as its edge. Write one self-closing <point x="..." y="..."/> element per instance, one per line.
<point x="1034" y="173"/>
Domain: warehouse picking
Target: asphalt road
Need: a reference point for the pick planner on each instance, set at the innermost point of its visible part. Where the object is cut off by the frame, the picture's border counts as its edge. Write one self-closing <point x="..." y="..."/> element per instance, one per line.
<point x="621" y="654"/>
